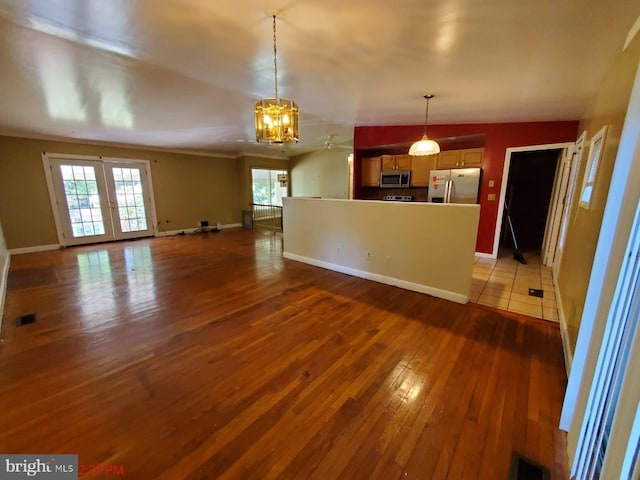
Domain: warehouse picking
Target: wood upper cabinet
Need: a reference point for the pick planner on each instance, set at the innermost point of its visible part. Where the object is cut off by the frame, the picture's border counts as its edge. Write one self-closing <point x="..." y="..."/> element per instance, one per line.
<point x="449" y="159"/>
<point x="370" y="172"/>
<point x="396" y="162"/>
<point x="421" y="166"/>
<point x="471" y="157"/>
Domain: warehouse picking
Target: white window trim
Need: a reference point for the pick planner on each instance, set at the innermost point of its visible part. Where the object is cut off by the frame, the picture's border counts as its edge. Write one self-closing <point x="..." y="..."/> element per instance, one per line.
<point x="596" y="149"/>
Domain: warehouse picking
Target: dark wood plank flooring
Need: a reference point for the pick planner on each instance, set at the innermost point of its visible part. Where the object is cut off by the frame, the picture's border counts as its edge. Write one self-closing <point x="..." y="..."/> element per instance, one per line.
<point x="210" y="356"/>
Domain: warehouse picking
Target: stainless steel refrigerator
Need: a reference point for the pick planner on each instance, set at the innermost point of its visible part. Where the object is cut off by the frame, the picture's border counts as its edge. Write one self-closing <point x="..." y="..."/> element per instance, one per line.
<point x="458" y="185"/>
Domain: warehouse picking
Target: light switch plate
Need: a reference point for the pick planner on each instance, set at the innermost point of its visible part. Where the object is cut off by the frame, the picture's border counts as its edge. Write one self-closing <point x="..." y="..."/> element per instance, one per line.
<point x="492" y="183"/>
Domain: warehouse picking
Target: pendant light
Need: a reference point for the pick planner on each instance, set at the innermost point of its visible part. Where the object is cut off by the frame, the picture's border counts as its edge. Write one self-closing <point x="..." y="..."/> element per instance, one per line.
<point x="276" y="118"/>
<point x="425" y="146"/>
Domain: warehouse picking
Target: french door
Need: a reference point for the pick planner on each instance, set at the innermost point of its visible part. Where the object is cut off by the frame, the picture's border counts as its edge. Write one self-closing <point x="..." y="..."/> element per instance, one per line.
<point x="99" y="200"/>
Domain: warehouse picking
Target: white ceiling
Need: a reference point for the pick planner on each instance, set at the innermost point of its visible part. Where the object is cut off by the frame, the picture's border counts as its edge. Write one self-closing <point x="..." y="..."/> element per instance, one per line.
<point x="184" y="74"/>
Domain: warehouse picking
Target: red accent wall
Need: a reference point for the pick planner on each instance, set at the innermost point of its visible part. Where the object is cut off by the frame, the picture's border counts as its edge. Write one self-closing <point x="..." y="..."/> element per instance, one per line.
<point x="498" y="137"/>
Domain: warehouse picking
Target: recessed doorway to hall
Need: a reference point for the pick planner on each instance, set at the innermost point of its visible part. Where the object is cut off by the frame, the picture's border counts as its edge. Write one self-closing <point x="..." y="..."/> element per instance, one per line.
<point x="528" y="199"/>
<point x="505" y="282"/>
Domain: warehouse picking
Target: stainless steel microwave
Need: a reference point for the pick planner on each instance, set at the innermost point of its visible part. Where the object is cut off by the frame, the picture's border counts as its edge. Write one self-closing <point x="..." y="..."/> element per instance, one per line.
<point x="395" y="179"/>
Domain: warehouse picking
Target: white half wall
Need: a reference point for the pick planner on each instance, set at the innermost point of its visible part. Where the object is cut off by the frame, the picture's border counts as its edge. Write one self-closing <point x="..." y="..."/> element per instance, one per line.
<point x="423" y="247"/>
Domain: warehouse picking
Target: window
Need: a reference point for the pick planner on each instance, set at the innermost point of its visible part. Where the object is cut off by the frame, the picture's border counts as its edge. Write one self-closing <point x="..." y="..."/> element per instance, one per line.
<point x="595" y="154"/>
<point x="268" y="187"/>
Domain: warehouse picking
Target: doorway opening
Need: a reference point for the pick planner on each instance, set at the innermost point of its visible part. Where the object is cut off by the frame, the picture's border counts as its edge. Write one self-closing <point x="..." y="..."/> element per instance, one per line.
<point x="541" y="173"/>
<point x="528" y="198"/>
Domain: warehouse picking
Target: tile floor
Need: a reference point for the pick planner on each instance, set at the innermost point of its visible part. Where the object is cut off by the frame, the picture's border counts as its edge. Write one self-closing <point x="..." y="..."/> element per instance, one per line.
<point x="504" y="283"/>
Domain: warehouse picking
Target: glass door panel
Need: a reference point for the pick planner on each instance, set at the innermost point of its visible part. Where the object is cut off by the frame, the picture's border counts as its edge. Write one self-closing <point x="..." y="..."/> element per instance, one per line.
<point x="129" y="199"/>
<point x="99" y="200"/>
<point x="82" y="204"/>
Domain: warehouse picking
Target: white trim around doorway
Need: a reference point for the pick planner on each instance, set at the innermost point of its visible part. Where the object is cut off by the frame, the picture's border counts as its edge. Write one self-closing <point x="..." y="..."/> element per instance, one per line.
<point x="505" y="178"/>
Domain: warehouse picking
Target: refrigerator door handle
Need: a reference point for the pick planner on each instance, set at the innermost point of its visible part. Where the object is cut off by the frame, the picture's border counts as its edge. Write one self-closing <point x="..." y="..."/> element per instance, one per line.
<point x="447" y="192"/>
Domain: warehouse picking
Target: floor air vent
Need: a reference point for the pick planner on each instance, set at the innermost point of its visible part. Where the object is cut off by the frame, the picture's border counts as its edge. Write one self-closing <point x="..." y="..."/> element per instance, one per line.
<point x="524" y="469"/>
<point x="26" y="319"/>
<point x="536" y="292"/>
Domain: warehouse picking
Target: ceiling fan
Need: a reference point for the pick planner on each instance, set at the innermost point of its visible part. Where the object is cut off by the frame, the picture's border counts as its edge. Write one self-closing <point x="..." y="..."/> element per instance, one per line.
<point x="330" y="143"/>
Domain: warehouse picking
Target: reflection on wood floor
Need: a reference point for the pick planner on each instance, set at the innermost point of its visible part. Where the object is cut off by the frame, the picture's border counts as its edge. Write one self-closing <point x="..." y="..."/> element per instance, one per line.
<point x="211" y="356"/>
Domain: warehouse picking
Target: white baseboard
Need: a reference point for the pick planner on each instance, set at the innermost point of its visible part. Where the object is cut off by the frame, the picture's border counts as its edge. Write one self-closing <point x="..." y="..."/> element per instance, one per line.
<point x="169" y="233"/>
<point x="396" y="282"/>
<point x="564" y="331"/>
<point x="56" y="246"/>
<point x="36" y="249"/>
<point x="486" y="255"/>
<point x="4" y="274"/>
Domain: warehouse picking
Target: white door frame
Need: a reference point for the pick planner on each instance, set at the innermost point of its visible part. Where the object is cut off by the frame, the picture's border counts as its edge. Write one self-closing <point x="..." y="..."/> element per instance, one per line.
<point x="576" y="161"/>
<point x="556" y="208"/>
<point x="615" y="370"/>
<point x="46" y="163"/>
<point x="505" y="180"/>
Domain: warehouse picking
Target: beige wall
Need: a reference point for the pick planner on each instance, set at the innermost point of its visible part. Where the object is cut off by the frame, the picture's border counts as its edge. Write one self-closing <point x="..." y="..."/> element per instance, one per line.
<point x="3" y="246"/>
<point x="244" y="166"/>
<point x="420" y="246"/>
<point x="324" y="173"/>
<point x="607" y="108"/>
<point x="187" y="188"/>
<point x="4" y="272"/>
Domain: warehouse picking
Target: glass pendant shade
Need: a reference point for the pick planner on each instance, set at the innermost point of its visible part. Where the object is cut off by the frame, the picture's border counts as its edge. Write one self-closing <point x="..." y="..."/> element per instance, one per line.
<point x="276" y="121"/>
<point x="276" y="118"/>
<point x="424" y="147"/>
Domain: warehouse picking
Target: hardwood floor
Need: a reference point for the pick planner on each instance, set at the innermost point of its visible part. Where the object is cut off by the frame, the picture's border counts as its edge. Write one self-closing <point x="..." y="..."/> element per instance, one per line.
<point x="210" y="356"/>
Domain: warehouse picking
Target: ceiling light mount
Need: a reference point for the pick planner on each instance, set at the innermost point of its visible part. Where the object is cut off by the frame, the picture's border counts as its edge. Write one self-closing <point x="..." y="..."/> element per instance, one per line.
<point x="425" y="146"/>
<point x="276" y="118"/>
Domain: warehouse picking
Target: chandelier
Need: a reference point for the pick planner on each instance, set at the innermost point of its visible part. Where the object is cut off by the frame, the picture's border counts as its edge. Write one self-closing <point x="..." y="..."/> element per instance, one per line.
<point x="424" y="146"/>
<point x="276" y="118"/>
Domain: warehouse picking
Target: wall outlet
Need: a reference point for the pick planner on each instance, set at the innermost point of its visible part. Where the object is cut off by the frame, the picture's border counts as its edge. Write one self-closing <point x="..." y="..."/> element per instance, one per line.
<point x="491" y="196"/>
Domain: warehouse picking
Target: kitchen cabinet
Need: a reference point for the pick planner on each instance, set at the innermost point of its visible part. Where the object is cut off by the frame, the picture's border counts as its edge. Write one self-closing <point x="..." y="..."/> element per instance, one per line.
<point x="421" y="166"/>
<point x="396" y="162"/>
<point x="449" y="159"/>
<point x="370" y="172"/>
<point x="470" y="157"/>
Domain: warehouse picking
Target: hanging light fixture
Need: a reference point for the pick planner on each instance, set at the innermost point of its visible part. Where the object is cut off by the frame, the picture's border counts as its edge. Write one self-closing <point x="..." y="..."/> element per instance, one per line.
<point x="425" y="146"/>
<point x="276" y="118"/>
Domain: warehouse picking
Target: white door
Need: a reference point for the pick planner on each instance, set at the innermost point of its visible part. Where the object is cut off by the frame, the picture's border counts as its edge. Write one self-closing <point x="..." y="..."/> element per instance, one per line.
<point x="554" y="221"/>
<point x="128" y="193"/>
<point x="98" y="201"/>
<point x="576" y="158"/>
